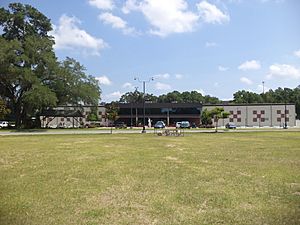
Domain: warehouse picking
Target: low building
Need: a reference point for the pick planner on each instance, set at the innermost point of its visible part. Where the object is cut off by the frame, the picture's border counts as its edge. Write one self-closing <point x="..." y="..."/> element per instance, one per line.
<point x="258" y="115"/>
<point x="72" y="117"/>
<point x="170" y="113"/>
<point x="243" y="115"/>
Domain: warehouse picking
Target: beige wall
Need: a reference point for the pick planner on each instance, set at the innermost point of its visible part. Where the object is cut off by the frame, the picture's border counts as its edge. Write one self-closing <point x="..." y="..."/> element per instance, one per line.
<point x="258" y="115"/>
<point x="68" y="122"/>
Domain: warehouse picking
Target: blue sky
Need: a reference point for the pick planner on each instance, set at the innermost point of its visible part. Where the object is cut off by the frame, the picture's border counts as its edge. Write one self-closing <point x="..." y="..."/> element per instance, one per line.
<point x="215" y="46"/>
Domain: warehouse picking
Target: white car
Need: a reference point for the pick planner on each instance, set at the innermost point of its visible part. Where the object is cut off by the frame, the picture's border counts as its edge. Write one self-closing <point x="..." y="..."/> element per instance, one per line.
<point x="3" y="124"/>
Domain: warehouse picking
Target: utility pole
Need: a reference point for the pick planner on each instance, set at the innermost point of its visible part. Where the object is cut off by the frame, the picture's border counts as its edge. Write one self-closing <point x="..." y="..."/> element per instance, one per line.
<point x="263" y="86"/>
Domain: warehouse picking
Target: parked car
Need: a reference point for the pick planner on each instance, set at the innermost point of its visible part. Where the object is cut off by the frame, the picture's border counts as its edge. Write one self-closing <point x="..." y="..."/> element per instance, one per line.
<point x="230" y="126"/>
<point x="11" y="124"/>
<point x="159" y="124"/>
<point x="121" y="125"/>
<point x="3" y="124"/>
<point x="178" y="124"/>
<point x="185" y="124"/>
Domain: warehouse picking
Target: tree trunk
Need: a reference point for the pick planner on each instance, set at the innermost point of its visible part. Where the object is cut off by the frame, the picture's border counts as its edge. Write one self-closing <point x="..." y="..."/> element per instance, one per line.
<point x="217" y="125"/>
<point x="18" y="114"/>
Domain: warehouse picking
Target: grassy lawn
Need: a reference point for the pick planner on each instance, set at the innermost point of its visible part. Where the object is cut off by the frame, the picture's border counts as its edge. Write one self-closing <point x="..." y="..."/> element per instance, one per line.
<point x="228" y="178"/>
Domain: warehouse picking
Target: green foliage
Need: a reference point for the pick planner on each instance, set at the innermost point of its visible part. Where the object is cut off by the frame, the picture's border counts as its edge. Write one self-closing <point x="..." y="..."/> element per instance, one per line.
<point x="206" y="117"/>
<point x="132" y="97"/>
<point x="3" y="109"/>
<point x="27" y="60"/>
<point x="73" y="86"/>
<point x="175" y="96"/>
<point x="112" y="112"/>
<point x="218" y="113"/>
<point x="136" y="97"/>
<point x="30" y="76"/>
<point x="93" y="116"/>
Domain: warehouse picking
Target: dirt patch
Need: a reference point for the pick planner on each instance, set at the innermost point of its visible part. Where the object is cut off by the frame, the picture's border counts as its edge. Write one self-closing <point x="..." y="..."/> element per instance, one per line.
<point x="170" y="146"/>
<point x="174" y="159"/>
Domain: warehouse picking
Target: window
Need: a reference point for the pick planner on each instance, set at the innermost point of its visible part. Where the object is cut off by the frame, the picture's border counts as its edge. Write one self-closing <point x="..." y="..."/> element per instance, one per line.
<point x="68" y="119"/>
<point x="258" y="116"/>
<point x="231" y="120"/>
<point x="287" y="111"/>
<point x="255" y="120"/>
<point x="62" y="119"/>
<point x="279" y="119"/>
<point x="262" y="112"/>
<point x="234" y="116"/>
<point x="99" y="113"/>
<point x="254" y="112"/>
<point x="282" y="115"/>
<point x="239" y="120"/>
<point x="239" y="112"/>
<point x="231" y="112"/>
<point x="278" y="111"/>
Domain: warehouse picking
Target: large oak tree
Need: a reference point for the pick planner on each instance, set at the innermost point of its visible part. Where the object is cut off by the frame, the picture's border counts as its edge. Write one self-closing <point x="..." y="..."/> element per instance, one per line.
<point x="30" y="76"/>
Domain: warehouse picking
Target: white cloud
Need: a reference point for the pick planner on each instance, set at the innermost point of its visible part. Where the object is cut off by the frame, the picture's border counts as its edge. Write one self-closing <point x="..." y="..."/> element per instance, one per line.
<point x="104" y="80"/>
<point x="102" y="4"/>
<point x="68" y="35"/>
<point x="210" y="44"/>
<point x="162" y="86"/>
<point x="283" y="71"/>
<point x="275" y="1"/>
<point x="211" y="14"/>
<point x="246" y="80"/>
<point x="222" y="68"/>
<point x="114" y="96"/>
<point x="250" y="65"/>
<point x="178" y="76"/>
<point x="162" y="76"/>
<point x="116" y="22"/>
<point x="166" y="17"/>
<point x="216" y="84"/>
<point x="127" y="85"/>
<point x="297" y="53"/>
<point x="130" y="5"/>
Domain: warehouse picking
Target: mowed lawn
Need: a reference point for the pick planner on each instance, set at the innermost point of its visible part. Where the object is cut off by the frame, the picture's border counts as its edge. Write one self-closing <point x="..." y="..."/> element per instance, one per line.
<point x="228" y="178"/>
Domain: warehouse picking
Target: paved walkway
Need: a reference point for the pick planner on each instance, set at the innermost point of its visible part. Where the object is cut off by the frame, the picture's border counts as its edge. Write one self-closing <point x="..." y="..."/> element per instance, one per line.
<point x="133" y="131"/>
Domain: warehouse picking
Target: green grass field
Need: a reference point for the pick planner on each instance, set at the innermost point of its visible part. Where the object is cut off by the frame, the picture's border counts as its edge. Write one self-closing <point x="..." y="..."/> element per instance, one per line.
<point x="228" y="178"/>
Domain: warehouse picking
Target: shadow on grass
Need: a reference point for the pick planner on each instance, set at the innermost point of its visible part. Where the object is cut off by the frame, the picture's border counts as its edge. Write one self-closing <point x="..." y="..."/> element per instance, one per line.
<point x="29" y="130"/>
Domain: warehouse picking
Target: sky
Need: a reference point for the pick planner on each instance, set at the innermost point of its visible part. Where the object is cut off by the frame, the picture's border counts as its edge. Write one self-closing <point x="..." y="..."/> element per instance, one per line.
<point x="215" y="47"/>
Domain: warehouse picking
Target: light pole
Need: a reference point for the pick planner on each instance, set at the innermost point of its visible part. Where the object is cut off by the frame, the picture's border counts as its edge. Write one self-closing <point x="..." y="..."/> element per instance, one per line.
<point x="144" y="91"/>
<point x="132" y="100"/>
